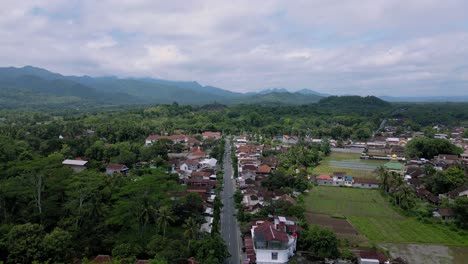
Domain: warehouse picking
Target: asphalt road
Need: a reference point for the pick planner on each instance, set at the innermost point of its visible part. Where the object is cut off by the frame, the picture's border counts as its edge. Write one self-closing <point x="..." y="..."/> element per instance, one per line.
<point x="229" y="228"/>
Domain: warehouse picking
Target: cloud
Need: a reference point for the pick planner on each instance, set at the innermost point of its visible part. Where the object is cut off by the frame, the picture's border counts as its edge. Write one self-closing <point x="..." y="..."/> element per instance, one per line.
<point x="383" y="47"/>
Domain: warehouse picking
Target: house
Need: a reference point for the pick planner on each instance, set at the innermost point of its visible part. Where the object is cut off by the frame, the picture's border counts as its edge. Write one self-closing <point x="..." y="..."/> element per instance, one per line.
<point x="264" y="169"/>
<point x="324" y="180"/>
<point x="371" y="257"/>
<point x="206" y="227"/>
<point x="189" y="165"/>
<point x="367" y="183"/>
<point x="289" y="139"/>
<point x="339" y="178"/>
<point x="392" y="141"/>
<point x="102" y="259"/>
<point x="445" y="161"/>
<point x="446" y="214"/>
<point x="348" y="181"/>
<point x="116" y="168"/>
<point x="196" y="153"/>
<point x="209" y="163"/>
<point x="287" y="198"/>
<point x="211" y="135"/>
<point x="75" y="165"/>
<point x="430" y="197"/>
<point x="174" y="138"/>
<point x="458" y="192"/>
<point x="271" y="243"/>
<point x="201" y="183"/>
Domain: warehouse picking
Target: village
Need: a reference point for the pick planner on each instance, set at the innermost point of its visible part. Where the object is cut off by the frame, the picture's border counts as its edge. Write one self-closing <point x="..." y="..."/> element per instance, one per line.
<point x="275" y="238"/>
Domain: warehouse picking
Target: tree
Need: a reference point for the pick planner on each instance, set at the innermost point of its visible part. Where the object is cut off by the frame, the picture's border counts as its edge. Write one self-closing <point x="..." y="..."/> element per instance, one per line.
<point x="25" y="243"/>
<point x="445" y="181"/>
<point x="460" y="208"/>
<point x="325" y="147"/>
<point x="126" y="253"/>
<point x="165" y="217"/>
<point x="421" y="147"/>
<point x="58" y="246"/>
<point x="210" y="250"/>
<point x="322" y="242"/>
<point x="191" y="230"/>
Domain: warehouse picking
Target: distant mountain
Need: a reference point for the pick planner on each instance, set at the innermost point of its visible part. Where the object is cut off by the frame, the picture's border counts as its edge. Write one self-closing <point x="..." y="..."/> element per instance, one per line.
<point x="279" y="98"/>
<point x="426" y="99"/>
<point x="273" y="90"/>
<point x="308" y="91"/>
<point x="30" y="86"/>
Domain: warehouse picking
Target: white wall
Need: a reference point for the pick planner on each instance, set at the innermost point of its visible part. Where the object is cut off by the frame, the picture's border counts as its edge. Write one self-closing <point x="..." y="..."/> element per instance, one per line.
<point x="264" y="256"/>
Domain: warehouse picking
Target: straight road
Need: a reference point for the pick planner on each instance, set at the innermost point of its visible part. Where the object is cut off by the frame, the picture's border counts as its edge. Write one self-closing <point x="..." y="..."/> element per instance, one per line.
<point x="229" y="228"/>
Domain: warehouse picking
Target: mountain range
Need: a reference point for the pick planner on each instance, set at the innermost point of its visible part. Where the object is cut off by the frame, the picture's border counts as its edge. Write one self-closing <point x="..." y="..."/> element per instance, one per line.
<point x="31" y="86"/>
<point x="36" y="86"/>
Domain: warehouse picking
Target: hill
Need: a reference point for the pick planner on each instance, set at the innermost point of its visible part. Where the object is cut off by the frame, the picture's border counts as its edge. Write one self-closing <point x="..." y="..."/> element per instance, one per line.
<point x="278" y="98"/>
<point x="29" y="86"/>
<point x="365" y="106"/>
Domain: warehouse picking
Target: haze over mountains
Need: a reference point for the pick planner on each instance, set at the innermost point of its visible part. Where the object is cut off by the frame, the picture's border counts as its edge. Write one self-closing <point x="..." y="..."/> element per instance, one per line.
<point x="30" y="86"/>
<point x="35" y="86"/>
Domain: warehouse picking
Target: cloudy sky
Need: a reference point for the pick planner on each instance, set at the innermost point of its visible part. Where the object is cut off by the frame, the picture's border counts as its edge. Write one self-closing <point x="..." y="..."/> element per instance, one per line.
<point x="379" y="47"/>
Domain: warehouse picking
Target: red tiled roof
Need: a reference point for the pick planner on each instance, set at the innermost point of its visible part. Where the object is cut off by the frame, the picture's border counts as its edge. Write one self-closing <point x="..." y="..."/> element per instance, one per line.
<point x="366" y="180"/>
<point x="446" y="212"/>
<point x="116" y="167"/>
<point x="264" y="169"/>
<point x="323" y="177"/>
<point x="373" y="254"/>
<point x="339" y="173"/>
<point x="269" y="233"/>
<point x="190" y="162"/>
<point x="288" y="198"/>
<point x="200" y="181"/>
<point x="172" y="137"/>
<point x="211" y="134"/>
<point x="200" y="174"/>
<point x="102" y="259"/>
<point x="249" y="167"/>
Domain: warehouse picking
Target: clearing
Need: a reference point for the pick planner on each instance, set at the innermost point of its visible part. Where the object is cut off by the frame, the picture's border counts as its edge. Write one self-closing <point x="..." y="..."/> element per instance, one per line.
<point x="349" y="163"/>
<point x="373" y="217"/>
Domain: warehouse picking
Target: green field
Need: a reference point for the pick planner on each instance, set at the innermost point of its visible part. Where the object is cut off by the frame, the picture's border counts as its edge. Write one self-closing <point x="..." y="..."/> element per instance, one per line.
<point x="373" y="217"/>
<point x="349" y="163"/>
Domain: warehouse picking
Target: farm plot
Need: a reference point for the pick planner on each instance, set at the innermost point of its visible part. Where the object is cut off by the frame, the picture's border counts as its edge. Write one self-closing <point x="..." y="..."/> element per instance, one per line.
<point x="369" y="213"/>
<point x="348" y="201"/>
<point x="340" y="226"/>
<point x="349" y="163"/>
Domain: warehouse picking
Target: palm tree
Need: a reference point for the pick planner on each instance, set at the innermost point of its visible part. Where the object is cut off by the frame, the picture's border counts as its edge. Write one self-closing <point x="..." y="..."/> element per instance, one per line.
<point x="164" y="217"/>
<point x="191" y="229"/>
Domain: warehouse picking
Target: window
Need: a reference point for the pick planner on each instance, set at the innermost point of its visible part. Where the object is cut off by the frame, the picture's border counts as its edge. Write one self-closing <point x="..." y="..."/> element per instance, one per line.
<point x="274" y="255"/>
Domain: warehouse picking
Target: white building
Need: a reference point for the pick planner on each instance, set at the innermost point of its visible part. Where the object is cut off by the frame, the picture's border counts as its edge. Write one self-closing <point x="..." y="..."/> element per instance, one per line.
<point x="75" y="165"/>
<point x="274" y="242"/>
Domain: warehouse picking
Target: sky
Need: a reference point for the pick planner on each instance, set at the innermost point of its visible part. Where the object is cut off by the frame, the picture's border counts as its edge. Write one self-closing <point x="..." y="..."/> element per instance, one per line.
<point x="365" y="47"/>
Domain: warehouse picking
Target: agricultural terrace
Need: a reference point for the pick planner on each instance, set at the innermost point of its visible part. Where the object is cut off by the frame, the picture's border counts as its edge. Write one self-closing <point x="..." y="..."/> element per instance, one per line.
<point x="349" y="163"/>
<point x="374" y="218"/>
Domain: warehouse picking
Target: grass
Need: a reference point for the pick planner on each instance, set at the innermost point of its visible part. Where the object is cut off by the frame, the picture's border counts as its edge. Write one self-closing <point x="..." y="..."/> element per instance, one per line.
<point x="349" y="163"/>
<point x="348" y="201"/>
<point x="373" y="217"/>
<point x="407" y="230"/>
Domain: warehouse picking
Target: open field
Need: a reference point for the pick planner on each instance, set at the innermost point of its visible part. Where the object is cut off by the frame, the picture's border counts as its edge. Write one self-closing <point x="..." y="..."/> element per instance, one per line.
<point x="428" y="254"/>
<point x="373" y="217"/>
<point x="340" y="226"/>
<point x="348" y="201"/>
<point x="349" y="163"/>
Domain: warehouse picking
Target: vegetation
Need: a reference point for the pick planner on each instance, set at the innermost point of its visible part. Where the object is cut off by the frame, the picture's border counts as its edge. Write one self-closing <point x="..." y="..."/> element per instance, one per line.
<point x="429" y="147"/>
<point x="372" y="216"/>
